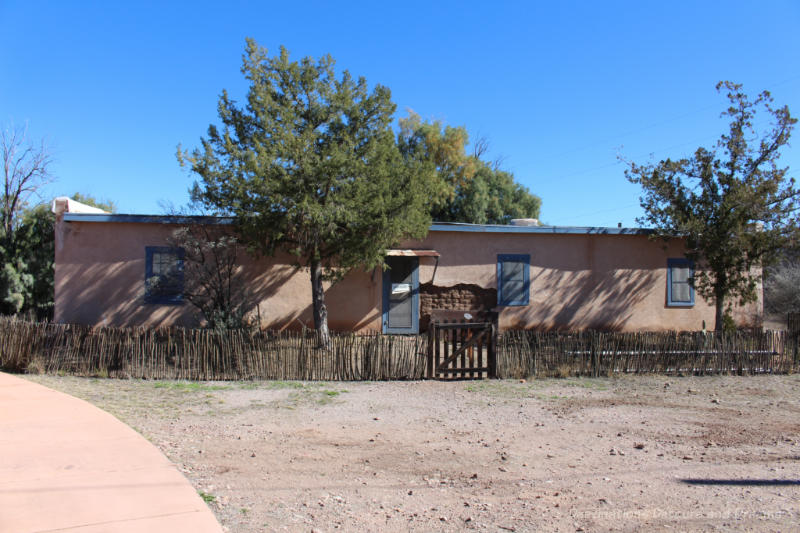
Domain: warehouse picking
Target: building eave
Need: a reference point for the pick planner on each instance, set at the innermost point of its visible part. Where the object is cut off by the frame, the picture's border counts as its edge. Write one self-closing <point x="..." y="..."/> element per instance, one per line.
<point x="436" y="226"/>
<point x="564" y="230"/>
<point x="147" y="219"/>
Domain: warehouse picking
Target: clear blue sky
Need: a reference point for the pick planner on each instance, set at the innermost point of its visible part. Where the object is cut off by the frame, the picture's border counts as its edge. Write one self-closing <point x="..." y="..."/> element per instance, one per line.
<point x="559" y="88"/>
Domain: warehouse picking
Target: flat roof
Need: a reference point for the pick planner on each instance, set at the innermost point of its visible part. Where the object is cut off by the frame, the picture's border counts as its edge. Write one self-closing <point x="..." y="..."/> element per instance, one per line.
<point x="146" y="219"/>
<point x="436" y="226"/>
<point x="501" y="228"/>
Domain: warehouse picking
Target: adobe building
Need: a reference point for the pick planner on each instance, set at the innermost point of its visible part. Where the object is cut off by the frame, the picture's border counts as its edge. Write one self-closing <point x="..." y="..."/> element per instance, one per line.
<point x="535" y="277"/>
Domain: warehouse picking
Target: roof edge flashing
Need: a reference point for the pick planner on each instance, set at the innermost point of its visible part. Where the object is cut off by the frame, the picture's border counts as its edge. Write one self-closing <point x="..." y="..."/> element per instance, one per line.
<point x="436" y="226"/>
<point x="147" y="219"/>
<point x="566" y="230"/>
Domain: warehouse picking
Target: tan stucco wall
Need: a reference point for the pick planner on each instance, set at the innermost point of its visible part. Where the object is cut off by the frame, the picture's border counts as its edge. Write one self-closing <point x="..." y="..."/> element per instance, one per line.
<point x="100" y="272"/>
<point x="577" y="281"/>
<point x="616" y="282"/>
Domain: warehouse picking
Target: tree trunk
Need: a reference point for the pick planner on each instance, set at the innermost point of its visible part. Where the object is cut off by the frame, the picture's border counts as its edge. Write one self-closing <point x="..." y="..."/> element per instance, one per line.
<point x="720" y="313"/>
<point x="320" y="309"/>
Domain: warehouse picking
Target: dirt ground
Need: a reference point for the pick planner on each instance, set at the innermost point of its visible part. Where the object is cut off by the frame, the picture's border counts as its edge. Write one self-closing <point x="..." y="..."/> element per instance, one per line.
<point x="647" y="453"/>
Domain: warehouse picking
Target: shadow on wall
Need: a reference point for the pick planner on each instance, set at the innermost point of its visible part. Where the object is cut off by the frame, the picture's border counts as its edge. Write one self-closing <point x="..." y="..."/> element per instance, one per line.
<point x="588" y="300"/>
<point x="351" y="304"/>
<point x="265" y="285"/>
<point x="108" y="294"/>
<point x="113" y="294"/>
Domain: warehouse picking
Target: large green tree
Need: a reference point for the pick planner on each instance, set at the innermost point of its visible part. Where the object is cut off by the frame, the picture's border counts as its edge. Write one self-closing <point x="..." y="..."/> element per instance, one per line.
<point x="310" y="164"/>
<point x="491" y="196"/>
<point x="464" y="187"/>
<point x="734" y="204"/>
<point x="35" y="255"/>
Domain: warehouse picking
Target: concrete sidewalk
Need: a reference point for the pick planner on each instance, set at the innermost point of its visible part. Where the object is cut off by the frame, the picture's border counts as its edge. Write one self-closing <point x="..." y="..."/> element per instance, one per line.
<point x="65" y="465"/>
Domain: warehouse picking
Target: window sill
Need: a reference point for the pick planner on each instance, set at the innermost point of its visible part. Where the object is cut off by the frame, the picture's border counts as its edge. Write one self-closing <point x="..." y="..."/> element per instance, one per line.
<point x="163" y="302"/>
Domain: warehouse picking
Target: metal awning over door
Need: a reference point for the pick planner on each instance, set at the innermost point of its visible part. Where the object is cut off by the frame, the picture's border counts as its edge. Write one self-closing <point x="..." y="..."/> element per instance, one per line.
<point x="410" y="252"/>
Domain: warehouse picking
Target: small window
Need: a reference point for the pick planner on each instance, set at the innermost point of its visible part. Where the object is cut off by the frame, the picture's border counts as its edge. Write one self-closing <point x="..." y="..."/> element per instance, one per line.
<point x="680" y="292"/>
<point x="513" y="279"/>
<point x="163" y="282"/>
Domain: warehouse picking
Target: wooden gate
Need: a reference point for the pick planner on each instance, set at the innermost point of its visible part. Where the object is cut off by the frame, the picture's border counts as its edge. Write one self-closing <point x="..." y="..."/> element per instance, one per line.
<point x="462" y="345"/>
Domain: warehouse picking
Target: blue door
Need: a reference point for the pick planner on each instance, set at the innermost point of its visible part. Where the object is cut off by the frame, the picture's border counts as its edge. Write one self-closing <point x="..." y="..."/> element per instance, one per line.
<point x="401" y="295"/>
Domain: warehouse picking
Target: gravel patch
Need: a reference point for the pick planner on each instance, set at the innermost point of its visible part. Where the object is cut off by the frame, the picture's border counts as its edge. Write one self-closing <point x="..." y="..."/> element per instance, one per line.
<point x="627" y="454"/>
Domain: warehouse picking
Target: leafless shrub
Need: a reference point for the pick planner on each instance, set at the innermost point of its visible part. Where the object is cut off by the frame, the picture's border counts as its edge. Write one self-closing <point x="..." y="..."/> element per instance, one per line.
<point x="782" y="287"/>
<point x="212" y="275"/>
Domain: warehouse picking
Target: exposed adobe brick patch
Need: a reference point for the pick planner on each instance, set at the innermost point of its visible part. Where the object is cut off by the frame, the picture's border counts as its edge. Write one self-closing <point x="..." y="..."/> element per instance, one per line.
<point x="461" y="297"/>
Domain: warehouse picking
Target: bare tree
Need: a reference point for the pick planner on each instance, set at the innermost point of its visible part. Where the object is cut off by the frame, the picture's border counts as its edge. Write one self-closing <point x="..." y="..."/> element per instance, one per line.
<point x="213" y="279"/>
<point x="25" y="170"/>
<point x="481" y="147"/>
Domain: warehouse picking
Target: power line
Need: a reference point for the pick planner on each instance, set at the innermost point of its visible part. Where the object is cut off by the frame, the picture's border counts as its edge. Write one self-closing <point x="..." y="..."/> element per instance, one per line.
<point x="599" y="211"/>
<point x="659" y="123"/>
<point x="634" y="131"/>
<point x="648" y="153"/>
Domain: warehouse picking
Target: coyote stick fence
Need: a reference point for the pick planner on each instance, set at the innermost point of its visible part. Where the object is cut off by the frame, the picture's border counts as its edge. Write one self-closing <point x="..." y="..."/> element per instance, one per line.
<point x="591" y="353"/>
<point x="194" y="354"/>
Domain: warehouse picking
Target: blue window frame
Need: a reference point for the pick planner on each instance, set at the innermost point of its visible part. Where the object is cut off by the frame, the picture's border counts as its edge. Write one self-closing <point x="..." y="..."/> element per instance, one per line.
<point x="680" y="292"/>
<point x="513" y="279"/>
<point x="163" y="278"/>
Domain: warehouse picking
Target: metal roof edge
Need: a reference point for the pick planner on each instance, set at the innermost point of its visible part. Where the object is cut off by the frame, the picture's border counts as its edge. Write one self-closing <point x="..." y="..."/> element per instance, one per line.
<point x="563" y="230"/>
<point x="436" y="226"/>
<point x="147" y="219"/>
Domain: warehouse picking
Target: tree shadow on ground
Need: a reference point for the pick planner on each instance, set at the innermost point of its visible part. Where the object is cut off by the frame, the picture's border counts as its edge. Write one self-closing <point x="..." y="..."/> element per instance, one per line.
<point x="742" y="482"/>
